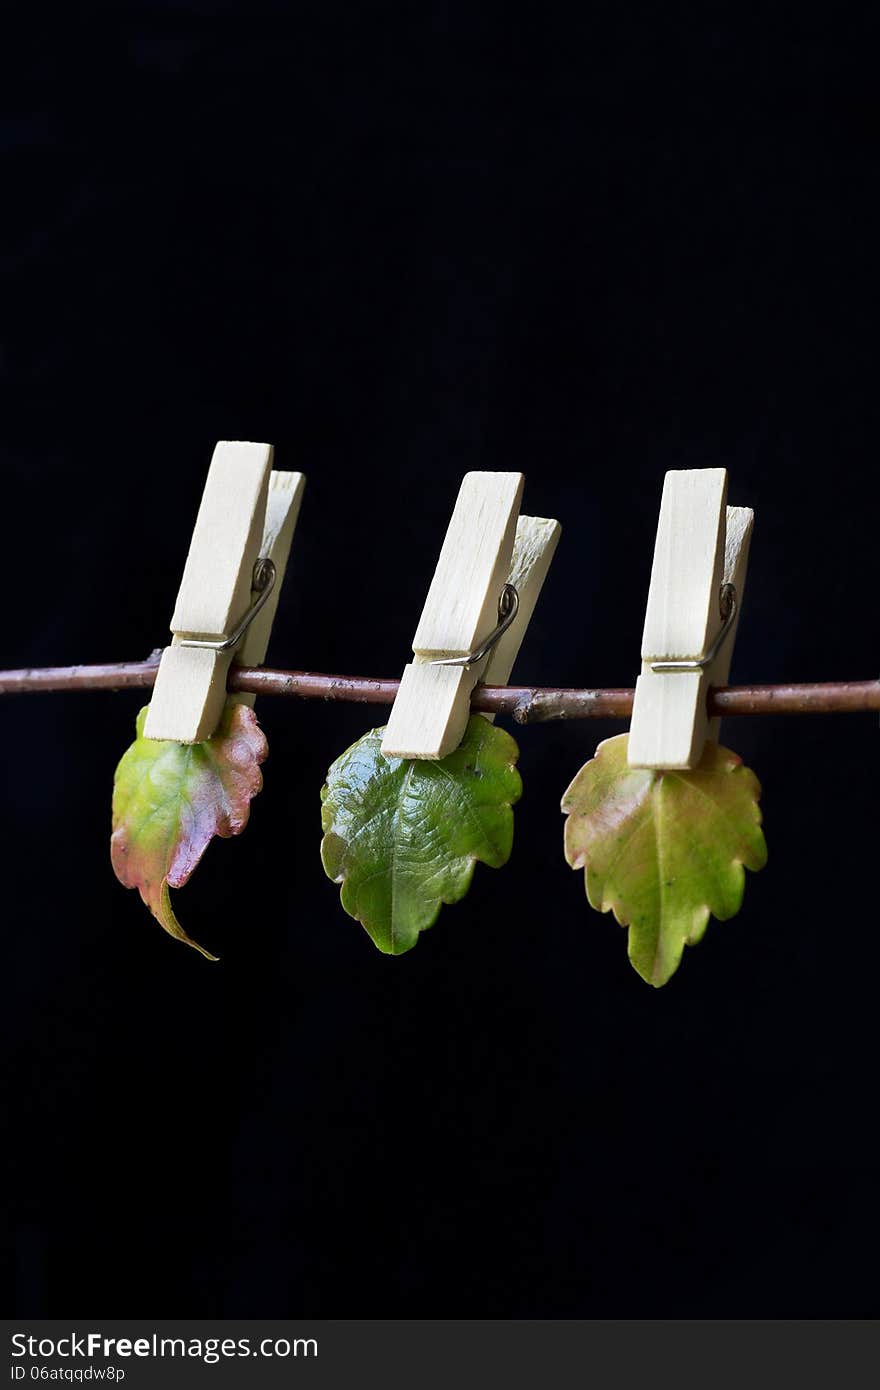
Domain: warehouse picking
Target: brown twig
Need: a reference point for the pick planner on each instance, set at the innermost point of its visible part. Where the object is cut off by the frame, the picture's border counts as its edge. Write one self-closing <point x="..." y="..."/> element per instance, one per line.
<point x="526" y="704"/>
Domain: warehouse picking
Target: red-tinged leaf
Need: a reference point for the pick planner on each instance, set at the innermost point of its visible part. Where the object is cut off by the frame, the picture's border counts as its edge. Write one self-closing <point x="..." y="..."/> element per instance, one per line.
<point x="171" y="799"/>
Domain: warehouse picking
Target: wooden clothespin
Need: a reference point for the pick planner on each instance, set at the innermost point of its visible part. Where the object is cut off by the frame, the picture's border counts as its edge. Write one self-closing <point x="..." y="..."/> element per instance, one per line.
<point x="229" y="593"/>
<point x="697" y="583"/>
<point x="473" y="621"/>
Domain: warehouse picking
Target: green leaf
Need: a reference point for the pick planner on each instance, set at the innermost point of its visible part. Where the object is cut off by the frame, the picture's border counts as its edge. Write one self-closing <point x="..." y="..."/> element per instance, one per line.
<point x="170" y="799"/>
<point x="403" y="836"/>
<point x="663" y="850"/>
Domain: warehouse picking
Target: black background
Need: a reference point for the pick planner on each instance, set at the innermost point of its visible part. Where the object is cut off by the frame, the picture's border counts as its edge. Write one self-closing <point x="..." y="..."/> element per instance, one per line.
<point x="401" y="243"/>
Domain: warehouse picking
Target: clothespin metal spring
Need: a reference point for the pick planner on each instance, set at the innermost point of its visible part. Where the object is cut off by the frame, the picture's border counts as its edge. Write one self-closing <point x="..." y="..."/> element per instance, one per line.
<point x="700" y="663"/>
<point x="508" y="605"/>
<point x="262" y="585"/>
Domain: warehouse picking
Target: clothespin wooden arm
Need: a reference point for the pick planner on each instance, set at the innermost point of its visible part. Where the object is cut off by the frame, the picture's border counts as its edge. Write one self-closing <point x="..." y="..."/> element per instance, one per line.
<point x="216" y="588"/>
<point x="431" y="709"/>
<point x="485" y="547"/>
<point x="738" y="539"/>
<point x="684" y="618"/>
<point x="533" y="549"/>
<point x="282" y="513"/>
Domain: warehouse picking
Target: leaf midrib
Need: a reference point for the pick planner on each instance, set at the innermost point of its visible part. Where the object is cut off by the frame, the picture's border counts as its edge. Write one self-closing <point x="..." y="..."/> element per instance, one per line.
<point x="396" y="820"/>
<point x="663" y="889"/>
<point x="172" y="796"/>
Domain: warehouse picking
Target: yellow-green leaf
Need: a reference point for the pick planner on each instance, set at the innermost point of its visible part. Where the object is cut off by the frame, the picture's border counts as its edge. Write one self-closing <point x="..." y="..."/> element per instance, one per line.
<point x="663" y="850"/>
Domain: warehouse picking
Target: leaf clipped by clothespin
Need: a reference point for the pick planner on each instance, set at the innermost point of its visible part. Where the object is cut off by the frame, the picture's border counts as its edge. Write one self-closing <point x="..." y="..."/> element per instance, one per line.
<point x="194" y="766"/>
<point x="663" y="850"/>
<point x="403" y="836"/>
<point x="409" y="809"/>
<point x="247" y="511"/>
<point x="662" y="819"/>
<point x="170" y="799"/>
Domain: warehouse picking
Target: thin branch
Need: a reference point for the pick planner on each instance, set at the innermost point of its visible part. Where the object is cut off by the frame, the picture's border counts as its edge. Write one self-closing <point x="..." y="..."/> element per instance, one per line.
<point x="526" y="704"/>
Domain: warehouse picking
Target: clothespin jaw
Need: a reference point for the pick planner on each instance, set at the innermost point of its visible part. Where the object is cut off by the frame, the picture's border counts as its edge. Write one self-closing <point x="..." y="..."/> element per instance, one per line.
<point x="246" y="512"/>
<point x="486" y="547"/>
<point x="697" y="584"/>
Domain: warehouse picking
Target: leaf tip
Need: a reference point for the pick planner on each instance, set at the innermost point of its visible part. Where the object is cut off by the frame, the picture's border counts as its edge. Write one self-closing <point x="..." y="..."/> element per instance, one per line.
<point x="166" y="917"/>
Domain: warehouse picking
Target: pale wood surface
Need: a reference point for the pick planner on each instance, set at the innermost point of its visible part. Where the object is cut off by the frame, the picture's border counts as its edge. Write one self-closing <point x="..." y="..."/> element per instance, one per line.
<point x="431" y="710"/>
<point x="462" y="601"/>
<point x="216" y="586"/>
<point x="214" y="593"/>
<point x="437" y="698"/>
<point x="189" y="694"/>
<point x="670" y="723"/>
<point x="282" y="513"/>
<point x="533" y="549"/>
<point x="740" y="523"/>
